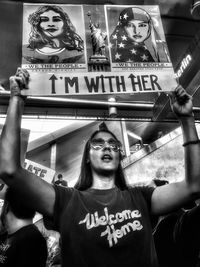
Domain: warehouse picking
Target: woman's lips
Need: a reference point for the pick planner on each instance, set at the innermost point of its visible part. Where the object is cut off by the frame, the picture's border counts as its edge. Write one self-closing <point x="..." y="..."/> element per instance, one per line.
<point x="137" y="36"/>
<point x="51" y="30"/>
<point x="106" y="157"/>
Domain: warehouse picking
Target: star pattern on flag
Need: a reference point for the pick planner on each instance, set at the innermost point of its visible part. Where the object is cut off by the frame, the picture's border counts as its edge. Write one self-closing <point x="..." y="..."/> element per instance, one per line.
<point x="144" y="58"/>
<point x="133" y="51"/>
<point x="125" y="16"/>
<point x="114" y="36"/>
<point x="124" y="38"/>
<point x="117" y="56"/>
<point x="121" y="45"/>
<point x="123" y="49"/>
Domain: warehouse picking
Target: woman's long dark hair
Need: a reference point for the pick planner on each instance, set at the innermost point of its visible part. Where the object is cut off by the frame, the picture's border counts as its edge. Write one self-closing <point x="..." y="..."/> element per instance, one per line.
<point x="85" y="178"/>
<point x="69" y="39"/>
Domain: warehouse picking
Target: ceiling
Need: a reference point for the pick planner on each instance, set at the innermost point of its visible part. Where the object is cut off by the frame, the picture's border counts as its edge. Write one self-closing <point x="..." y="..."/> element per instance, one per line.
<point x="180" y="29"/>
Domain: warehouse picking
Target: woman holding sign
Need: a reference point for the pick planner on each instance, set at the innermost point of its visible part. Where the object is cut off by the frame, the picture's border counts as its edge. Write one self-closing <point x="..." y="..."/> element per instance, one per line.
<point x="102" y="222"/>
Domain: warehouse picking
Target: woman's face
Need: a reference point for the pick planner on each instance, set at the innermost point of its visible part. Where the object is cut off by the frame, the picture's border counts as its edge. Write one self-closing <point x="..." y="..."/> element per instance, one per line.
<point x="51" y="23"/>
<point x="104" y="155"/>
<point x="137" y="30"/>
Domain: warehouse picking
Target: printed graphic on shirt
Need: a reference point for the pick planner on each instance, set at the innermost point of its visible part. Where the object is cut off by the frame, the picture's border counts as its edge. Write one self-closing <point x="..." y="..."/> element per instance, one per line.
<point x="129" y="217"/>
<point x="3" y="249"/>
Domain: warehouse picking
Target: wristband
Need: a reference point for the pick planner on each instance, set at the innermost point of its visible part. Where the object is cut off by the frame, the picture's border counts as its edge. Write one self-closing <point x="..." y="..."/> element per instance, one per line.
<point x="191" y="142"/>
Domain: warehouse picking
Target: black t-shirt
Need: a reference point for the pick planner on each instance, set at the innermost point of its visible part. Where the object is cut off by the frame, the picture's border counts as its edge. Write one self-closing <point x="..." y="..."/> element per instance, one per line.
<point x="105" y="228"/>
<point x="24" y="248"/>
<point x="164" y="241"/>
<point x="63" y="182"/>
<point x="187" y="237"/>
<point x="177" y="239"/>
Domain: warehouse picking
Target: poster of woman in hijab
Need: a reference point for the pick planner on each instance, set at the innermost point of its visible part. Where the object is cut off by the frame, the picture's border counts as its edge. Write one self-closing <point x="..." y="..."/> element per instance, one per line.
<point x="53" y="34"/>
<point x="136" y="34"/>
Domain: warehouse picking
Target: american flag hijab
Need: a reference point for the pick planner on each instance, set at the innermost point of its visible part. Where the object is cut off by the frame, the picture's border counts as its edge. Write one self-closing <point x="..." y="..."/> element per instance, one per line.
<point x="125" y="49"/>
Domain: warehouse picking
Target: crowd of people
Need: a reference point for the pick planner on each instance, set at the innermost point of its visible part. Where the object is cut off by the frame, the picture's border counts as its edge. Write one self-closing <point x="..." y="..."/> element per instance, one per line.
<point x="177" y="236"/>
<point x="103" y="221"/>
<point x="21" y="242"/>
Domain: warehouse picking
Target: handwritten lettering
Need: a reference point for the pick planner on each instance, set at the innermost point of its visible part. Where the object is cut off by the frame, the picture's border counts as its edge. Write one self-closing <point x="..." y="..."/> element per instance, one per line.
<point x="109" y="220"/>
<point x="114" y="234"/>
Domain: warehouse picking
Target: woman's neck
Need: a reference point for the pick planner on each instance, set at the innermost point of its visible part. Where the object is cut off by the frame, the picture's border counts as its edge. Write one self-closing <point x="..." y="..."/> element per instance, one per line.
<point x="56" y="42"/>
<point x="102" y="182"/>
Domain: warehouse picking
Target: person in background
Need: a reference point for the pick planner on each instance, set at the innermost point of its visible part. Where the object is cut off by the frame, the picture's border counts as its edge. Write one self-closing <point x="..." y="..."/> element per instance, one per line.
<point x="22" y="244"/>
<point x="177" y="236"/>
<point x="60" y="180"/>
<point x="102" y="221"/>
<point x="159" y="182"/>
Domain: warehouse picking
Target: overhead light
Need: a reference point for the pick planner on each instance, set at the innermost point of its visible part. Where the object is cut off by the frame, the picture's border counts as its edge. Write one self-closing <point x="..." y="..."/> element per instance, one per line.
<point x="133" y="135"/>
<point x="195" y="9"/>
<point x="112" y="109"/>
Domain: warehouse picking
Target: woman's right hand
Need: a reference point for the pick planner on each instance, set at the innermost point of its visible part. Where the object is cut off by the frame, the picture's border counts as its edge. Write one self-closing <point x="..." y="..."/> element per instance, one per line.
<point x="19" y="82"/>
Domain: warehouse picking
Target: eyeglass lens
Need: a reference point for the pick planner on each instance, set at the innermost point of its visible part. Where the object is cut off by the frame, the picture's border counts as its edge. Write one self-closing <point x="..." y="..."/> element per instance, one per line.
<point x="100" y="143"/>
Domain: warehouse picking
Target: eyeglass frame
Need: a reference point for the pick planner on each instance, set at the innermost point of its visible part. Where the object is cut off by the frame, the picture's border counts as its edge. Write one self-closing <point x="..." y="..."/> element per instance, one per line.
<point x="118" y="144"/>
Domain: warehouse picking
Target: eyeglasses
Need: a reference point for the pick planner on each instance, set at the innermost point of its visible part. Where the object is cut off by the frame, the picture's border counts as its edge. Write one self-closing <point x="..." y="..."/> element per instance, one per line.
<point x="98" y="144"/>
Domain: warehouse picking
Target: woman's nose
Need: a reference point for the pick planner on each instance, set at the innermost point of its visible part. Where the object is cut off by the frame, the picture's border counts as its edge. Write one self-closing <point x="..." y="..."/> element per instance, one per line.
<point x="136" y="30"/>
<point x="106" y="146"/>
<point x="50" y="23"/>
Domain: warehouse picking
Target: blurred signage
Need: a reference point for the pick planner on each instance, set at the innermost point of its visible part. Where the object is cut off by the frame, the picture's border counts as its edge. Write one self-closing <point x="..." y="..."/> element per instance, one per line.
<point x="41" y="171"/>
<point x="183" y="66"/>
<point x="106" y="49"/>
<point x="189" y="65"/>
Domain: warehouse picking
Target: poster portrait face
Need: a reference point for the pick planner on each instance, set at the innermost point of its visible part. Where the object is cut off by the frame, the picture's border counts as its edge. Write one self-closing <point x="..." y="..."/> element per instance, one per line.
<point x="136" y="35"/>
<point x="51" y="34"/>
<point x="52" y="24"/>
<point x="137" y="30"/>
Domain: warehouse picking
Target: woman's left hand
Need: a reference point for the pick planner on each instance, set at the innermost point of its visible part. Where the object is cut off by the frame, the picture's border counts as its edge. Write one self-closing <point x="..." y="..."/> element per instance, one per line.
<point x="181" y="102"/>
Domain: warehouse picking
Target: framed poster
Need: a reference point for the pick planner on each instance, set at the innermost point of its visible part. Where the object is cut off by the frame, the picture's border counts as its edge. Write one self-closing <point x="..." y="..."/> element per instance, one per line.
<point x="84" y="50"/>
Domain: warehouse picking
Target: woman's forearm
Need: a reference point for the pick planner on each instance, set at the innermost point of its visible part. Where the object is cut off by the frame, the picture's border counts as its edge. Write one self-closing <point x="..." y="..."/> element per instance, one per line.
<point x="192" y="152"/>
<point x="10" y="137"/>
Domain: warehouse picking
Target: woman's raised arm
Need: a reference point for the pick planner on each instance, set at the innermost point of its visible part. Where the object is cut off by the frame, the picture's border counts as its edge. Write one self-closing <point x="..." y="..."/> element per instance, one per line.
<point x="174" y="195"/>
<point x="38" y="193"/>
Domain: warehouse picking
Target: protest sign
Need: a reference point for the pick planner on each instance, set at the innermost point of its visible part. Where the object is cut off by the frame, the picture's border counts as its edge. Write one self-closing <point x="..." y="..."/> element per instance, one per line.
<point x="78" y="50"/>
<point x="39" y="170"/>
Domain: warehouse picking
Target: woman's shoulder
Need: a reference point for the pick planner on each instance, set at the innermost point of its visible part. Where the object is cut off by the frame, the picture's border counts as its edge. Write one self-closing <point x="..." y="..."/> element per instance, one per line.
<point x="145" y="190"/>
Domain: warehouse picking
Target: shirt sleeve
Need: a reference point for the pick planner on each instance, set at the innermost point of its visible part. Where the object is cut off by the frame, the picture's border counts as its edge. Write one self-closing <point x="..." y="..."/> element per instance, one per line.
<point x="29" y="248"/>
<point x="63" y="196"/>
<point x="147" y="192"/>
